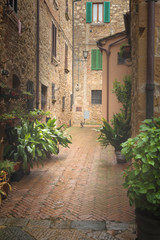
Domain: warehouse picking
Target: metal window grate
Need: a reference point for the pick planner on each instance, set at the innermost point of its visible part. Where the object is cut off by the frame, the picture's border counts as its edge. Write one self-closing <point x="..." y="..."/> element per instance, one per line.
<point x="96" y="96"/>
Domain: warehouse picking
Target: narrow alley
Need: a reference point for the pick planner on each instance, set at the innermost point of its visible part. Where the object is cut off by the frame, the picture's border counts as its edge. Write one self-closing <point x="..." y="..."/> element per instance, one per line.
<point x="82" y="183"/>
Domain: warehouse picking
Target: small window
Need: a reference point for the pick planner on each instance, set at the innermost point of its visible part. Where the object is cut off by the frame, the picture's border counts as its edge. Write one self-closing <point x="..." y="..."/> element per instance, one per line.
<point x="63" y="103"/>
<point x="30" y="102"/>
<point x="43" y="96"/>
<point x="53" y="91"/>
<point x="71" y="101"/>
<point x="54" y="39"/>
<point x="66" y="58"/>
<point x="96" y="59"/>
<point x="15" y="82"/>
<point x="96" y="96"/>
<point x="98" y="12"/>
<point x="13" y="4"/>
<point x="66" y="11"/>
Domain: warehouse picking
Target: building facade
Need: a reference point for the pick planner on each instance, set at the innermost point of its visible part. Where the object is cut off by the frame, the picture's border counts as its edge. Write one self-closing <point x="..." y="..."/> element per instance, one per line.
<point x="36" y="51"/>
<point x="139" y="35"/>
<point x="93" y="20"/>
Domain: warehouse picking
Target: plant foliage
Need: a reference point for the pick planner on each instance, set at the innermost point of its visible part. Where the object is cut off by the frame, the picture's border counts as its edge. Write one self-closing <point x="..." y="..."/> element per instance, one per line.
<point x="32" y="142"/>
<point x="119" y="130"/>
<point x="142" y="177"/>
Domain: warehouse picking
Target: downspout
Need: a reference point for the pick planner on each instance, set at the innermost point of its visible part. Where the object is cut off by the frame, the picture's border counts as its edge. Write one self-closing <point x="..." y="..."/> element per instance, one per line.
<point x="73" y="59"/>
<point x="108" y="53"/>
<point x="37" y="59"/>
<point x="150" y="60"/>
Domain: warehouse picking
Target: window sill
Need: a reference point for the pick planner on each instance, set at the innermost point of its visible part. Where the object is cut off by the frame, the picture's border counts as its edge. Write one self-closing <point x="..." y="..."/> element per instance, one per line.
<point x="54" y="61"/>
<point x="98" y="24"/>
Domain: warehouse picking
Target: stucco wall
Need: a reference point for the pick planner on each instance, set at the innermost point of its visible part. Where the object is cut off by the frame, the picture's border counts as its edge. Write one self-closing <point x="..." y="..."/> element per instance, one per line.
<point x="116" y="72"/>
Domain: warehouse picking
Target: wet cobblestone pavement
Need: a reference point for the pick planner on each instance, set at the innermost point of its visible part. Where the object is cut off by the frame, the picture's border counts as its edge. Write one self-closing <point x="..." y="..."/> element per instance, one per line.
<point x="83" y="183"/>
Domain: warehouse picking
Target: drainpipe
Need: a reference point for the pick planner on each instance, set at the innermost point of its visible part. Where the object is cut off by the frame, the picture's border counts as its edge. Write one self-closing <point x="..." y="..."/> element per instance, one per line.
<point x="37" y="59"/>
<point x="73" y="59"/>
<point x="108" y="53"/>
<point x="150" y="60"/>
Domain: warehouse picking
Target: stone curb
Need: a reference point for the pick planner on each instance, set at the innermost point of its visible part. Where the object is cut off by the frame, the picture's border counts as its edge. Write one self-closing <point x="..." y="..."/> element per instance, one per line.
<point x="40" y="229"/>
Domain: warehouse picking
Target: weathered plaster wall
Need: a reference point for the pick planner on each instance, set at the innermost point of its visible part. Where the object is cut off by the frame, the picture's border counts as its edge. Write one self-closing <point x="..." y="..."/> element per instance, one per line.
<point x="139" y="62"/>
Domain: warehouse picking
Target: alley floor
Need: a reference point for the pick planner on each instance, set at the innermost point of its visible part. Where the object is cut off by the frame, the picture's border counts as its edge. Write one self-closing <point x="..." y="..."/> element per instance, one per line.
<point x="83" y="183"/>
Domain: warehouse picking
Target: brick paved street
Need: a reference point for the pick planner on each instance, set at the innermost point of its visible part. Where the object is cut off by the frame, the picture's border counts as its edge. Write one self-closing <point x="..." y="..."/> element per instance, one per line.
<point x="81" y="183"/>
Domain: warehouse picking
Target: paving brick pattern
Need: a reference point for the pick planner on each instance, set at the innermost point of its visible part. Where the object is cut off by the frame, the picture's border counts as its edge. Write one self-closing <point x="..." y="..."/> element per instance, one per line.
<point x="81" y="183"/>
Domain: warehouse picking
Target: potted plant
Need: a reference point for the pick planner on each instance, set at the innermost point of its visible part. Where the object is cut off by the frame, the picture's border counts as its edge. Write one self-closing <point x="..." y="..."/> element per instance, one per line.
<point x="142" y="178"/>
<point x="4" y="185"/>
<point x="115" y="134"/>
<point x="119" y="130"/>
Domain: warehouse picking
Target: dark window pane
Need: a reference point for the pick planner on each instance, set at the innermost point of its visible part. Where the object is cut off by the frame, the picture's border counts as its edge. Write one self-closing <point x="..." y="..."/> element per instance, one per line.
<point x="96" y="96"/>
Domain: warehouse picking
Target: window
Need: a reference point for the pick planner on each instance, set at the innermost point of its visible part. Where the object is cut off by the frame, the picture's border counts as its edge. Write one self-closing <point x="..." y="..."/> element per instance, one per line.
<point x="71" y="101"/>
<point x="96" y="96"/>
<point x="54" y="36"/>
<point x="53" y="91"/>
<point x="66" y="58"/>
<point x="43" y="96"/>
<point x="63" y="103"/>
<point x="15" y="82"/>
<point x="67" y="12"/>
<point x="13" y="4"/>
<point x="30" y="102"/>
<point x="96" y="59"/>
<point x="98" y="12"/>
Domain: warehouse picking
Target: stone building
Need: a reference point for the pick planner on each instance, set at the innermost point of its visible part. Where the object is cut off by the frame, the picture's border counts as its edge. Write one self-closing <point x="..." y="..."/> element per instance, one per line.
<point x="145" y="69"/>
<point x="36" y="51"/>
<point x="93" y="20"/>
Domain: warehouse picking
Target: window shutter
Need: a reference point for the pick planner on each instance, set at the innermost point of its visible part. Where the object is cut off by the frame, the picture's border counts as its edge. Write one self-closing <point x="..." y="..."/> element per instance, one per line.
<point x="107" y="12"/>
<point x="88" y="12"/>
<point x="93" y="59"/>
<point x="99" y="59"/>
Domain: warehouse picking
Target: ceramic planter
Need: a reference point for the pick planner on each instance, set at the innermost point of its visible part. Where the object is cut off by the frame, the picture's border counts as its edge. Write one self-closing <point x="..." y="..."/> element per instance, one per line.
<point x="147" y="228"/>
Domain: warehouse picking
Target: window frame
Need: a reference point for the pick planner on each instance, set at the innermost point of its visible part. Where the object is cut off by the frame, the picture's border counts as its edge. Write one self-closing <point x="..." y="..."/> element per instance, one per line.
<point x="105" y="12"/>
<point x="54" y="40"/>
<point x="98" y="3"/>
<point x="95" y="99"/>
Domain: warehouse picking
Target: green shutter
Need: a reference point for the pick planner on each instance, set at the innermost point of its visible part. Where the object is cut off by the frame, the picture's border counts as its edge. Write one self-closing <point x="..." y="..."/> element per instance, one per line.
<point x="98" y="60"/>
<point x="93" y="59"/>
<point x="88" y="12"/>
<point x="107" y="12"/>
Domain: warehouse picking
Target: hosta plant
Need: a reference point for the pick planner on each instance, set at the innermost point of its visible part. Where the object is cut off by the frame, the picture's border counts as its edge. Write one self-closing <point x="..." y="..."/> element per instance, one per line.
<point x="32" y="142"/>
<point x="142" y="177"/>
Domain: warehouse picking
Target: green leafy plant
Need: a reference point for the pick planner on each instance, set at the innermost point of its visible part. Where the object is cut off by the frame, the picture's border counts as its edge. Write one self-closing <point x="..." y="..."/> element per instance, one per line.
<point x="142" y="177"/>
<point x="7" y="166"/>
<point x="32" y="142"/>
<point x="120" y="128"/>
<point x="116" y="134"/>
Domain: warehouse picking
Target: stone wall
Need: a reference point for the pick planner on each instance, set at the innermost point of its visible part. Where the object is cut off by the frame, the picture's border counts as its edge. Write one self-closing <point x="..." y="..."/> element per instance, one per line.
<point x="52" y="70"/>
<point x="85" y="37"/>
<point x="139" y="62"/>
<point x="18" y="49"/>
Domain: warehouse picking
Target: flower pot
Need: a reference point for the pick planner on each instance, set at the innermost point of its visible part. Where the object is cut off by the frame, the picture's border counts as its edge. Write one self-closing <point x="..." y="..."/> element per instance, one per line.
<point x="147" y="227"/>
<point x="120" y="158"/>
